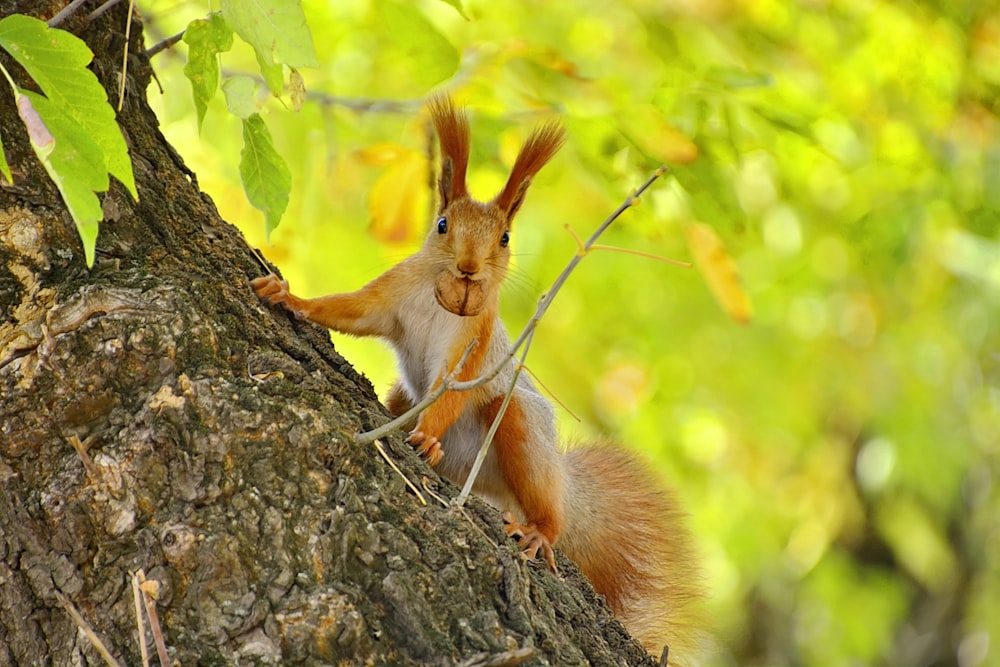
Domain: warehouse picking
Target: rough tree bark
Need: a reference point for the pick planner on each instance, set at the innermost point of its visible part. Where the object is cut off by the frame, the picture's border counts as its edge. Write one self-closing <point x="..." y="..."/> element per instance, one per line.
<point x="154" y="416"/>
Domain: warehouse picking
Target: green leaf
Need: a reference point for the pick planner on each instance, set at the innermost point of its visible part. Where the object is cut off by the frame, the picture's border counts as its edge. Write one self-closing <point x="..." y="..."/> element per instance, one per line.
<point x="276" y="29"/>
<point x="266" y="178"/>
<point x="73" y="160"/>
<point x="57" y="61"/>
<point x="206" y="39"/>
<point x="240" y="92"/>
<point x="4" y="167"/>
<point x="712" y="196"/>
<point x="429" y="56"/>
<point x="274" y="75"/>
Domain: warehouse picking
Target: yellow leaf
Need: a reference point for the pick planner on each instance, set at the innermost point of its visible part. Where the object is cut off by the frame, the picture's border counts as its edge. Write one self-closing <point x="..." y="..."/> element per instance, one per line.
<point x="296" y="89"/>
<point x="381" y="155"/>
<point x="657" y="138"/>
<point x="719" y="270"/>
<point x="398" y="200"/>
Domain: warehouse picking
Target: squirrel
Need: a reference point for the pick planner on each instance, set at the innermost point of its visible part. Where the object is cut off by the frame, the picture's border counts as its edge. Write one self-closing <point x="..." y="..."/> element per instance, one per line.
<point x="598" y="503"/>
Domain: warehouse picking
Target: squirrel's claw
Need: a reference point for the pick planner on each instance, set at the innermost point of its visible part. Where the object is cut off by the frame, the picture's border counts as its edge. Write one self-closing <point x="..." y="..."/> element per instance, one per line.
<point x="427" y="446"/>
<point x="530" y="539"/>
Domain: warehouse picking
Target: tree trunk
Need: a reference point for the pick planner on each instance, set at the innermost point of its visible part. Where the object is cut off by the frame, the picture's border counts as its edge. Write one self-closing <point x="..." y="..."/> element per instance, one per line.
<point x="154" y="416"/>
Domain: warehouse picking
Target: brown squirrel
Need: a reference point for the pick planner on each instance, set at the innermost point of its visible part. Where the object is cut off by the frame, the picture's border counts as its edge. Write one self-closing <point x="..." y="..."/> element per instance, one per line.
<point x="598" y="503"/>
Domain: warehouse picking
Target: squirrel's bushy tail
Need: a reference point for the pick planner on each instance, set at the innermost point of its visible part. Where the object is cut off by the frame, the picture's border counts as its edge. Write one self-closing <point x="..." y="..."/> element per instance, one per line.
<point x="627" y="534"/>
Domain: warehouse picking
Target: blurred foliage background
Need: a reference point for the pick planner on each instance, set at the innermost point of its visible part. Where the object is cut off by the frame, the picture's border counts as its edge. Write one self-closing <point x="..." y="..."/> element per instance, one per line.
<point x="839" y="453"/>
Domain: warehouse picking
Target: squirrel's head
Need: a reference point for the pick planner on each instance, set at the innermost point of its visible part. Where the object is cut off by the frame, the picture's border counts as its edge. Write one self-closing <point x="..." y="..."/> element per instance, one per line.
<point x="470" y="238"/>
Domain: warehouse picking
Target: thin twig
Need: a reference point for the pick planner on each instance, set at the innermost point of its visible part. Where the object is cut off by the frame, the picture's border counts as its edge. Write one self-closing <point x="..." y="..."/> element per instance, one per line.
<point x="164" y="44"/>
<point x="640" y="253"/>
<point x="154" y="622"/>
<point x="128" y="32"/>
<point x="88" y="463"/>
<point x="426" y="483"/>
<point x="136" y="596"/>
<point x="87" y="630"/>
<point x="488" y="440"/>
<point x="552" y="394"/>
<point x="99" y="12"/>
<point x="65" y="13"/>
<point x="582" y="250"/>
<point x="392" y="464"/>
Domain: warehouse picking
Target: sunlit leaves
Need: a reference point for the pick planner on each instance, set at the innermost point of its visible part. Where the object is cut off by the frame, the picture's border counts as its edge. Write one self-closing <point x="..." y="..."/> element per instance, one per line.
<point x="72" y="127"/>
<point x="266" y="177"/>
<point x="276" y="29"/>
<point x="57" y="61"/>
<point x="73" y="161"/>
<point x="279" y="36"/>
<point x="423" y="52"/>
<point x="206" y="38"/>
<point x="719" y="270"/>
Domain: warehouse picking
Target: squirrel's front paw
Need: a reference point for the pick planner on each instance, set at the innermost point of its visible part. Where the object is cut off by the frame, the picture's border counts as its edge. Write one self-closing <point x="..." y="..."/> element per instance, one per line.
<point x="270" y="289"/>
<point x="530" y="539"/>
<point x="427" y="446"/>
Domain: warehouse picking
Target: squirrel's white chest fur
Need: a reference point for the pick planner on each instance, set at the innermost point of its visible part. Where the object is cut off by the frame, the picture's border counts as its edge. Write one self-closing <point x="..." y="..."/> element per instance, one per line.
<point x="428" y="331"/>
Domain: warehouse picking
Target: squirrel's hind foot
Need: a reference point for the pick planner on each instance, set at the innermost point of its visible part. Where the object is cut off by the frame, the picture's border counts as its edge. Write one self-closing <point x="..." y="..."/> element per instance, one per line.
<point x="530" y="539"/>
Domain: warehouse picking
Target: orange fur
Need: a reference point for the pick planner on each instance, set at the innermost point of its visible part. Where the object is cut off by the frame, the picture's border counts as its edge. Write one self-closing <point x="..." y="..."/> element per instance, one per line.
<point x="452" y="127"/>
<point x="537" y="150"/>
<point x="533" y="488"/>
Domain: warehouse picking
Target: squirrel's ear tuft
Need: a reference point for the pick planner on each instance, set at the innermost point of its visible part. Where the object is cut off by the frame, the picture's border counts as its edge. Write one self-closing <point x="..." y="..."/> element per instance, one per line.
<point x="537" y="150"/>
<point x="452" y="127"/>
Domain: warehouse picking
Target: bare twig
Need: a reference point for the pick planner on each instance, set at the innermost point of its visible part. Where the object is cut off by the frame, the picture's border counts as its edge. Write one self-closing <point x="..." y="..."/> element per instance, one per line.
<point x="154" y="621"/>
<point x="164" y="44"/>
<point x="97" y="13"/>
<point x="488" y="440"/>
<point x="66" y="12"/>
<point x="88" y="463"/>
<point x="558" y="401"/>
<point x="128" y="32"/>
<point x="392" y="464"/>
<point x="87" y="630"/>
<point x="426" y="483"/>
<point x="136" y="597"/>
<point x="583" y="250"/>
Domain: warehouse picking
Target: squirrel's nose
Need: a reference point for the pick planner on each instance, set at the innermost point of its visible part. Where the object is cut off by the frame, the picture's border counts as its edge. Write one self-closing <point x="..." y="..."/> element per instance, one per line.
<point x="468" y="267"/>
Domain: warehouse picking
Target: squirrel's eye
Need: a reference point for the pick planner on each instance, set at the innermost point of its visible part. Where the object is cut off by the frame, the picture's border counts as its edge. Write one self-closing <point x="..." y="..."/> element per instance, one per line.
<point x="442" y="225"/>
<point x="505" y="239"/>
